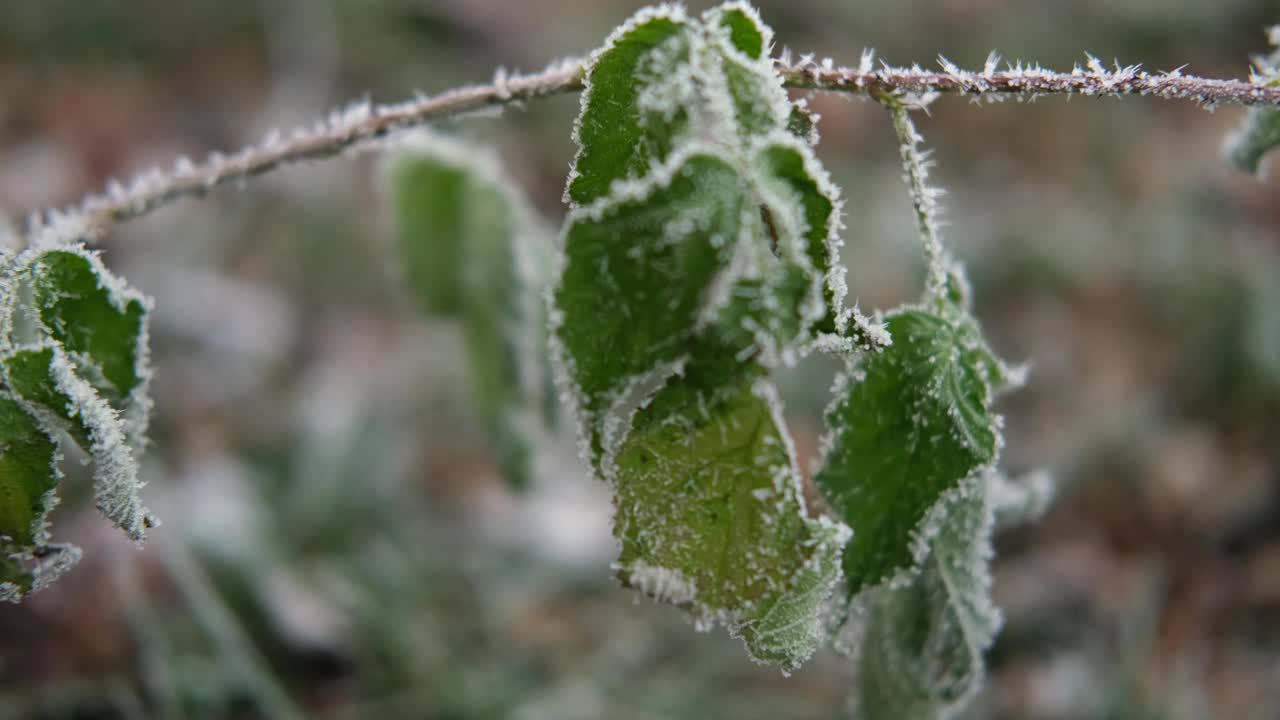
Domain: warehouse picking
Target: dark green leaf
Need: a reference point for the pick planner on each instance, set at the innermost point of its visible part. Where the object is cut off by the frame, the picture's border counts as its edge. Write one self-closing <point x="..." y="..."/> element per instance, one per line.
<point x="802" y="188"/>
<point x="27" y="474"/>
<point x="631" y="120"/>
<point x="95" y="319"/>
<point x="745" y="29"/>
<point x="912" y="423"/>
<point x="759" y="103"/>
<point x="47" y="380"/>
<point x="636" y="279"/>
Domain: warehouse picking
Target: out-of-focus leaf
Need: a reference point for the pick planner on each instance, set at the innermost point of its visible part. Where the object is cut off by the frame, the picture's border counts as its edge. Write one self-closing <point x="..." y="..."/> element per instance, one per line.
<point x="480" y="234"/>
<point x="427" y="199"/>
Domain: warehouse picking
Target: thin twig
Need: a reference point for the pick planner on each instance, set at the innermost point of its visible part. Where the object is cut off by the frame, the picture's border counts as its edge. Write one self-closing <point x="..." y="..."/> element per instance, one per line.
<point x="1024" y="82"/>
<point x="364" y="122"/>
<point x="924" y="200"/>
<point x="355" y="125"/>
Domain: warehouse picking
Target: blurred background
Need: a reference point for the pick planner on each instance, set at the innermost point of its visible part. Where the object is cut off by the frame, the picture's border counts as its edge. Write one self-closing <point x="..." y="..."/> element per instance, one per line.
<point x="338" y="540"/>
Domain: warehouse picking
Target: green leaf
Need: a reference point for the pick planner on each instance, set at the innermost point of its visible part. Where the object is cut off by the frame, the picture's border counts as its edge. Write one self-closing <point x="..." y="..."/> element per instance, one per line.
<point x="427" y="200"/>
<point x="100" y="323"/>
<point x="631" y="115"/>
<point x="481" y="235"/>
<point x="28" y="474"/>
<point x="710" y="514"/>
<point x="804" y="193"/>
<point x="748" y="35"/>
<point x="47" y="380"/>
<point x="638" y="271"/>
<point x="922" y="656"/>
<point x="803" y="123"/>
<point x="754" y="89"/>
<point x="688" y="268"/>
<point x="93" y="316"/>
<point x="911" y="423"/>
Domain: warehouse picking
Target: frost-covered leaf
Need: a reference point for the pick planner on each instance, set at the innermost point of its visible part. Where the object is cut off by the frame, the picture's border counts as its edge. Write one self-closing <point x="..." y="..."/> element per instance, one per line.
<point x="922" y="655"/>
<point x="911" y="423"/>
<point x="100" y="323"/>
<point x="803" y="189"/>
<point x="631" y="114"/>
<point x="73" y="358"/>
<point x="747" y="33"/>
<point x="638" y="268"/>
<point x="710" y="513"/>
<point x="754" y="90"/>
<point x="463" y="226"/>
<point x="28" y="475"/>
<point x="46" y="380"/>
<point x="1260" y="132"/>
<point x="700" y="253"/>
<point x="803" y="123"/>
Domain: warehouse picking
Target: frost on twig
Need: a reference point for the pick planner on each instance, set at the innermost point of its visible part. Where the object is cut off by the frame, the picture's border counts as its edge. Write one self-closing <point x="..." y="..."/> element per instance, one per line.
<point x="362" y="122"/>
<point x="1024" y="81"/>
<point x="939" y="267"/>
<point x="355" y="125"/>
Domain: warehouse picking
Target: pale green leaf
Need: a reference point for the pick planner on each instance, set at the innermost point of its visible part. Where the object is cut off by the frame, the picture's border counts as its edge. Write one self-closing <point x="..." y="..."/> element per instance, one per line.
<point x="922" y="658"/>
<point x="912" y="422"/>
<point x="427" y="200"/>
<point x="479" y="234"/>
<point x="710" y="515"/>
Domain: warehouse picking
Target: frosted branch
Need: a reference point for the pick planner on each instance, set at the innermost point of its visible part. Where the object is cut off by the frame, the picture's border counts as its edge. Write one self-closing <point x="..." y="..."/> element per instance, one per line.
<point x="355" y="125"/>
<point x="364" y="122"/>
<point x="1022" y="82"/>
